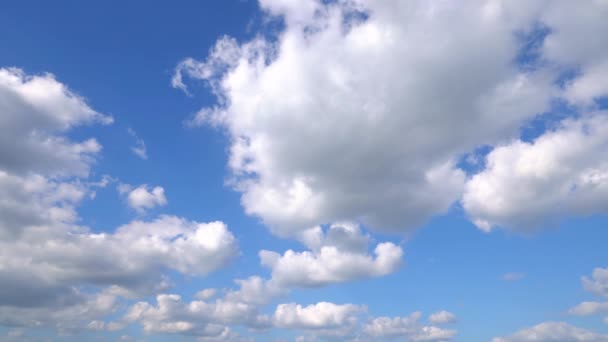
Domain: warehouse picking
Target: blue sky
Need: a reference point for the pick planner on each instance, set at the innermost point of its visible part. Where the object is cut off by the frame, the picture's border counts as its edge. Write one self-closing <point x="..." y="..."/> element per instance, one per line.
<point x="327" y="170"/>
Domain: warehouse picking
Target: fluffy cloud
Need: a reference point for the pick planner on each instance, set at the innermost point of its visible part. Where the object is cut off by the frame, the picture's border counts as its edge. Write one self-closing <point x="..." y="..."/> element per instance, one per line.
<point x="55" y="272"/>
<point x="172" y="315"/>
<point x="408" y="327"/>
<point x="598" y="285"/>
<point x="442" y="317"/>
<point x="337" y="255"/>
<point x="205" y="294"/>
<point x="562" y="172"/>
<point x="45" y="269"/>
<point x="589" y="308"/>
<point x="552" y="181"/>
<point x="81" y="315"/>
<point x="322" y="315"/>
<point x="257" y="290"/>
<point x="318" y="82"/>
<point x="588" y="56"/>
<point x="340" y="255"/>
<point x="32" y="200"/>
<point x="34" y="112"/>
<point x="363" y="119"/>
<point x="324" y="320"/>
<point x="321" y="320"/>
<point x="553" y="332"/>
<point x="143" y="197"/>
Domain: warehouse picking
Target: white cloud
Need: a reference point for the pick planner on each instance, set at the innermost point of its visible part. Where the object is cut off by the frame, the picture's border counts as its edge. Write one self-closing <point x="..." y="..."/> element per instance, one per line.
<point x="598" y="283"/>
<point x="257" y="290"/>
<point x="570" y="21"/>
<point x="200" y="318"/>
<point x="55" y="272"/>
<point x="205" y="294"/>
<point x="35" y="111"/>
<point x="589" y="87"/>
<point x="81" y="315"/>
<point x="408" y="327"/>
<point x="143" y="197"/>
<point x="45" y="266"/>
<point x="553" y="332"/>
<point x="551" y="180"/>
<point x="563" y="172"/>
<point x="322" y="315"/>
<point x="589" y="308"/>
<point x="442" y="317"/>
<point x="139" y="149"/>
<point x="338" y="256"/>
<point x="33" y="200"/>
<point x="364" y="121"/>
<point x="322" y="320"/>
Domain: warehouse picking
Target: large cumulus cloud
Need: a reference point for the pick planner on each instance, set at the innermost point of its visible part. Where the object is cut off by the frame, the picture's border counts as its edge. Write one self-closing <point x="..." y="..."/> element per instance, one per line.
<point x="353" y="118"/>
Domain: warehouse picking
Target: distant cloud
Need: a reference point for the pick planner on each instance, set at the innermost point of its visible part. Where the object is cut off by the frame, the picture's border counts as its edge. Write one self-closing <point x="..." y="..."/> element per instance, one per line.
<point x="513" y="276"/>
<point x="143" y="197"/>
<point x="442" y="317"/>
<point x="322" y="315"/>
<point x="338" y="255"/>
<point x="597" y="284"/>
<point x="553" y="332"/>
<point x="140" y="146"/>
<point x="409" y="327"/>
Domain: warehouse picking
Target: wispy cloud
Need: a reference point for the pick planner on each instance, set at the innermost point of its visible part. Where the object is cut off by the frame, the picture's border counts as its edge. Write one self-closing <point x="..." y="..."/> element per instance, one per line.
<point x="140" y="146"/>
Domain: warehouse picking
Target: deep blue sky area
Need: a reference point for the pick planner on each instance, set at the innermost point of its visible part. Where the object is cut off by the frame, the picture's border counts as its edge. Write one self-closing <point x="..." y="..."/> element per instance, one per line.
<point x="121" y="55"/>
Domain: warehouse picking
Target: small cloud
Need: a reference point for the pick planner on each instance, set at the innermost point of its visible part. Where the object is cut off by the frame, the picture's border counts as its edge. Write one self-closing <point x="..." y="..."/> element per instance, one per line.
<point x="140" y="146"/>
<point x="143" y="197"/>
<point x="205" y="294"/>
<point x="513" y="276"/>
<point x="442" y="317"/>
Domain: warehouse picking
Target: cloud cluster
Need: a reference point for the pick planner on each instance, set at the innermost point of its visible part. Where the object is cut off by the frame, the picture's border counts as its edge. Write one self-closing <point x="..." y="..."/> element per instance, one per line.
<point x="408" y="327"/>
<point x="597" y="285"/>
<point x="172" y="315"/>
<point x="211" y="319"/>
<point x="379" y="149"/>
<point x="378" y="93"/>
<point x="54" y="271"/>
<point x="39" y="265"/>
<point x="36" y="111"/>
<point x="339" y="255"/>
<point x="553" y="332"/>
<point x="347" y="260"/>
<point x="562" y="331"/>
<point x="359" y="113"/>
<point x="563" y="172"/>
